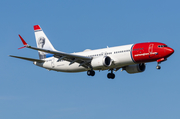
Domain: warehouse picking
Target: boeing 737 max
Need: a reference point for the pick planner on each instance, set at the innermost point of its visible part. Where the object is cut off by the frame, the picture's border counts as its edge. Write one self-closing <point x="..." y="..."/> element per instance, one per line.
<point x="131" y="58"/>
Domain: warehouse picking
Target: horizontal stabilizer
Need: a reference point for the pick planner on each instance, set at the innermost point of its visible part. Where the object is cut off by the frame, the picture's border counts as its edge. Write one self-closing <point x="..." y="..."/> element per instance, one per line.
<point x="29" y="59"/>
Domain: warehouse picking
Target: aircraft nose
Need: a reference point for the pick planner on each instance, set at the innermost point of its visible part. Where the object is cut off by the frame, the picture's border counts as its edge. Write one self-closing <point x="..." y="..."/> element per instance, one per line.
<point x="169" y="51"/>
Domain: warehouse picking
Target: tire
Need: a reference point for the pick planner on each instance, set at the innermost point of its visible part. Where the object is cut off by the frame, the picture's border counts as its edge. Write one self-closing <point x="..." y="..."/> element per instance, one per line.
<point x="110" y="75"/>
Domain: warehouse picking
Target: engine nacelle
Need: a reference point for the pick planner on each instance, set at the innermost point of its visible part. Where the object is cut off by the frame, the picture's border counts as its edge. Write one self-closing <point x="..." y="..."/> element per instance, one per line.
<point x="137" y="68"/>
<point x="104" y="61"/>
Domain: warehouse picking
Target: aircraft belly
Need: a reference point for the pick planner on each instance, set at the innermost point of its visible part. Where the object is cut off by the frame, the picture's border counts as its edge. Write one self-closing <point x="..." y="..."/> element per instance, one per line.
<point x="63" y="66"/>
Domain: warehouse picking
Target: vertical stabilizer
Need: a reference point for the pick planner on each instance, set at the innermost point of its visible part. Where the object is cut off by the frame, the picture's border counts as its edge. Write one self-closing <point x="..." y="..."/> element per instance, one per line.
<point x="42" y="42"/>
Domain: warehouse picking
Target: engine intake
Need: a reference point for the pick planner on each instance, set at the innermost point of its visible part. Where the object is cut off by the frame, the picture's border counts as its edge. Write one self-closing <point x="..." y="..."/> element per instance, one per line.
<point x="101" y="62"/>
<point x="137" y="68"/>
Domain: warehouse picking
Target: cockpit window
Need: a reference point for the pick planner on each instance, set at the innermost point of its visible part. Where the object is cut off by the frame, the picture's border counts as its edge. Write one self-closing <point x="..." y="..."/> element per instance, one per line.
<point x="160" y="46"/>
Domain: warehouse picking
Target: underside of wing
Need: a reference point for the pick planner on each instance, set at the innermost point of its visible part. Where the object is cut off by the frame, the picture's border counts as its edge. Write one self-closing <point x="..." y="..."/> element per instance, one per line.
<point x="57" y="53"/>
<point x="82" y="60"/>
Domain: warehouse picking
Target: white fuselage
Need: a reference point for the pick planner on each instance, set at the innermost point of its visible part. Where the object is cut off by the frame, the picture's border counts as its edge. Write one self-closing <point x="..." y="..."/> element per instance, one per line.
<point x="121" y="56"/>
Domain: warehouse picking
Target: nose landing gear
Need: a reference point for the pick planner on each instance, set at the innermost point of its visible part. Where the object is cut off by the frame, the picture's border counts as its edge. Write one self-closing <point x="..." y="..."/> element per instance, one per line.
<point x="158" y="67"/>
<point x="159" y="61"/>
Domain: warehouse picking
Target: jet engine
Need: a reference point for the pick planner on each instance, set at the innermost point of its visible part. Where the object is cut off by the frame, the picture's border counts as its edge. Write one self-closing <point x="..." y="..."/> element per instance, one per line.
<point x="104" y="61"/>
<point x="137" y="68"/>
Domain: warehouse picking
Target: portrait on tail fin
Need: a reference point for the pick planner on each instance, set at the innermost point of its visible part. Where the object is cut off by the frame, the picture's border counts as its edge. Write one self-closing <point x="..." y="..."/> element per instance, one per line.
<point x="41" y="43"/>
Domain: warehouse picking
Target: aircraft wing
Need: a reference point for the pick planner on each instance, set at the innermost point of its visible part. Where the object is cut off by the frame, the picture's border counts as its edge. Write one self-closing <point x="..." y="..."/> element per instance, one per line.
<point x="29" y="59"/>
<point x="57" y="53"/>
<point x="82" y="60"/>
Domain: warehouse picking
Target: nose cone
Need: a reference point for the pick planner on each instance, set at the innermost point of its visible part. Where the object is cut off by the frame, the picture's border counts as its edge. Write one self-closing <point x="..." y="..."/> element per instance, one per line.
<point x="169" y="51"/>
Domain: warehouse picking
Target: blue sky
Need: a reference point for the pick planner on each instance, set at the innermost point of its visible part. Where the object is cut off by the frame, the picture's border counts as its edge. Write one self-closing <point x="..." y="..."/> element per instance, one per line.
<point x="27" y="91"/>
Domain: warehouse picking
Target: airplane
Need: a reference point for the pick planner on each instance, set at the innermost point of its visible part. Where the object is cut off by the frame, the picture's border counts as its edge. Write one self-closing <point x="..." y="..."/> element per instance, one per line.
<point x="131" y="58"/>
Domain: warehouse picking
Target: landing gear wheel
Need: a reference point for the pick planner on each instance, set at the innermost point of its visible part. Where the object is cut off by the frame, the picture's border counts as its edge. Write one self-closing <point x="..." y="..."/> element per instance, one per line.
<point x="158" y="67"/>
<point x="90" y="73"/>
<point x="111" y="75"/>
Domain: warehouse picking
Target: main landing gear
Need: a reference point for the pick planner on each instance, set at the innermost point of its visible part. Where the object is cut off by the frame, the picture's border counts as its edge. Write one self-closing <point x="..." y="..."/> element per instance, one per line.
<point x="111" y="75"/>
<point x="90" y="73"/>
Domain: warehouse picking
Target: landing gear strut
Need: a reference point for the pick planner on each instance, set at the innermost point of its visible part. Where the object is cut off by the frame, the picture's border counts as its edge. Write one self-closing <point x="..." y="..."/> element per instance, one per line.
<point x="90" y="73"/>
<point x="158" y="67"/>
<point x="111" y="75"/>
<point x="159" y="61"/>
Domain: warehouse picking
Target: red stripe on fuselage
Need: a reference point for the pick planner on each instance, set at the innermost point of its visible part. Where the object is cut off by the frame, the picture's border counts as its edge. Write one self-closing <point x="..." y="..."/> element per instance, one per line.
<point x="148" y="52"/>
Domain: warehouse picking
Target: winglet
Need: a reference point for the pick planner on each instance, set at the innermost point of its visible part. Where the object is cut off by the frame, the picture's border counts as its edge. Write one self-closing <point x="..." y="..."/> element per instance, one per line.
<point x="24" y="42"/>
